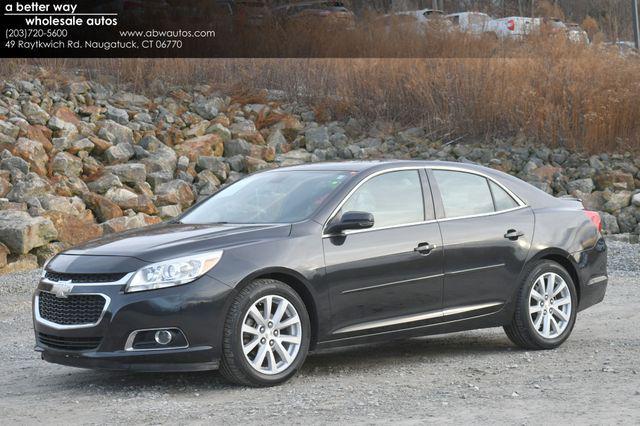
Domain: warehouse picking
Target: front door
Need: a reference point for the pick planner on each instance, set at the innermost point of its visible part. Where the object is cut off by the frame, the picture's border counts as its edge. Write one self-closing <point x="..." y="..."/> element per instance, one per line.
<point x="389" y="276"/>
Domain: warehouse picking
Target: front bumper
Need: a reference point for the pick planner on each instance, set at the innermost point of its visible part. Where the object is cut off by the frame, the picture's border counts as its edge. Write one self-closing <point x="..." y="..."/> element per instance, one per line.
<point x="196" y="309"/>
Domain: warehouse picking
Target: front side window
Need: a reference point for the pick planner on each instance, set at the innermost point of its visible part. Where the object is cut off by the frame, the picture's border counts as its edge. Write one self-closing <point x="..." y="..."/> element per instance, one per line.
<point x="463" y="194"/>
<point x="271" y="197"/>
<point x="394" y="198"/>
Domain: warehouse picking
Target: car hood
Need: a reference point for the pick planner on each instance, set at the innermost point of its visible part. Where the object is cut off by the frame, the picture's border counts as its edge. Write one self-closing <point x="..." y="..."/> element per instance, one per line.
<point x="169" y="240"/>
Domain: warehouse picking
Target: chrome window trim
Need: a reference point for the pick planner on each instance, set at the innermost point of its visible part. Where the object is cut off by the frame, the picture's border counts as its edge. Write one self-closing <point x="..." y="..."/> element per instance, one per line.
<point x="446" y="219"/>
<point x="128" y="346"/>
<point x="122" y="281"/>
<point x="518" y="200"/>
<point x="414" y="318"/>
<point x="382" y="228"/>
<point x="36" y="312"/>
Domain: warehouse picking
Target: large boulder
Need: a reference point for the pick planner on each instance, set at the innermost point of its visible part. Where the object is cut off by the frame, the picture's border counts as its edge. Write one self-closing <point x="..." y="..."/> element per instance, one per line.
<point x="104" y="182"/>
<point x="34" y="113"/>
<point x="126" y="199"/>
<point x="175" y="192"/>
<point x="73" y="229"/>
<point x="21" y="233"/>
<point x="14" y="163"/>
<point x="34" y="153"/>
<point x="66" y="164"/>
<point x="118" y="115"/>
<point x="317" y="138"/>
<point x="69" y="205"/>
<point x="616" y="201"/>
<point x="237" y="147"/>
<point x="628" y="219"/>
<point x="220" y="130"/>
<point x="31" y="186"/>
<point x="585" y="185"/>
<point x="119" y="153"/>
<point x="102" y="207"/>
<point x="609" y="223"/>
<point x="9" y="130"/>
<point x="207" y="145"/>
<point x="130" y="173"/>
<point x="614" y="180"/>
<point x="158" y="157"/>
<point x="208" y="108"/>
<point x="214" y="164"/>
<point x="124" y="223"/>
<point x="5" y="186"/>
<point x="115" y="133"/>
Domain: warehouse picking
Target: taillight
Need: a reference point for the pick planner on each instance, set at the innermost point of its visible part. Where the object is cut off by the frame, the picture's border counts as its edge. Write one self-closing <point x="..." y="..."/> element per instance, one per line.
<point x="511" y="24"/>
<point x="595" y="218"/>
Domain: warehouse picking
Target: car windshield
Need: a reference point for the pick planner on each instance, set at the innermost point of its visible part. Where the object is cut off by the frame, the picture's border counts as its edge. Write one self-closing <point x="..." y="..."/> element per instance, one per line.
<point x="271" y="197"/>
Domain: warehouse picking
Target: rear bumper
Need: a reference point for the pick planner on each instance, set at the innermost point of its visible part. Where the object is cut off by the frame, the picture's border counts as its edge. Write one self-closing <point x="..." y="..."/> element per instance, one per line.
<point x="196" y="309"/>
<point x="591" y="266"/>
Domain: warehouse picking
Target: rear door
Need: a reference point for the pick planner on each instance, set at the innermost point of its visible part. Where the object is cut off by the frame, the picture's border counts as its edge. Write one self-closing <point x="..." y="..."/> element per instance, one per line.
<point x="390" y="275"/>
<point x="486" y="234"/>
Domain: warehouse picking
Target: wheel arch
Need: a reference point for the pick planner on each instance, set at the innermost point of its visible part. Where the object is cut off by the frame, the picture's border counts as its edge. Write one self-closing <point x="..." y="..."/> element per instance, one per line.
<point x="565" y="260"/>
<point x="298" y="283"/>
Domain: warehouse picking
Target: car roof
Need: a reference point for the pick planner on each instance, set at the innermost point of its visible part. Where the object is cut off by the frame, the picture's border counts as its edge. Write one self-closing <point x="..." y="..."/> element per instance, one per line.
<point x="525" y="191"/>
<point x="374" y="165"/>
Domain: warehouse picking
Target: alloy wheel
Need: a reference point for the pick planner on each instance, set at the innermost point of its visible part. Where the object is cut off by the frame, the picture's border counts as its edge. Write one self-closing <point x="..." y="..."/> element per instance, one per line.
<point x="271" y="334"/>
<point x="550" y="305"/>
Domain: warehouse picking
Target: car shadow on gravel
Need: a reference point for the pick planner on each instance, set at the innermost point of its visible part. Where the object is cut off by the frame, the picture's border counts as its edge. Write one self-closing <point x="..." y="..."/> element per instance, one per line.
<point x="319" y="364"/>
<point x="407" y="351"/>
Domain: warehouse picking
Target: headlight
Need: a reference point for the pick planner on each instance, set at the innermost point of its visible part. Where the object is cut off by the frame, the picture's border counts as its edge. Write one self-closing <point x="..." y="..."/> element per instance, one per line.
<point x="173" y="272"/>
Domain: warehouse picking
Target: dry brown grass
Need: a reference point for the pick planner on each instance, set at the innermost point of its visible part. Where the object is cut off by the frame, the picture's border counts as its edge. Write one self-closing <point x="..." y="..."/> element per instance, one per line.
<point x="545" y="89"/>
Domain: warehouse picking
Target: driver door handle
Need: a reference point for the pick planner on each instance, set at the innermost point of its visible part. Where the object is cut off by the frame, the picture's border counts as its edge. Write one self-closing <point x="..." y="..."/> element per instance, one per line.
<point x="424" y="248"/>
<point x="513" y="234"/>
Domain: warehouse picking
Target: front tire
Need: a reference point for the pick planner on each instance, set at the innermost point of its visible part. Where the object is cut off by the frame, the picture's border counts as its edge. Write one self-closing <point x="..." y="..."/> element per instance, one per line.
<point x="546" y="307"/>
<point x="266" y="335"/>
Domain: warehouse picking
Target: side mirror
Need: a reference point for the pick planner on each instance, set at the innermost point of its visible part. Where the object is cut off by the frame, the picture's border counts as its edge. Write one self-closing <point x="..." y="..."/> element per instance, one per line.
<point x="352" y="220"/>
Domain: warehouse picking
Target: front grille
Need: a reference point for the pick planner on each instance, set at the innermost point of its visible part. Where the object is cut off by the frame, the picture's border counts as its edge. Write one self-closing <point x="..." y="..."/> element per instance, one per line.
<point x="83" y="278"/>
<point x="69" y="343"/>
<point x="73" y="310"/>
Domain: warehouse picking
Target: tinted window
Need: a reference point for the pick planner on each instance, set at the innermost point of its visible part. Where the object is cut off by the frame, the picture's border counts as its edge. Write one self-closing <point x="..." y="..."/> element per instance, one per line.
<point x="502" y="200"/>
<point x="393" y="198"/>
<point x="463" y="194"/>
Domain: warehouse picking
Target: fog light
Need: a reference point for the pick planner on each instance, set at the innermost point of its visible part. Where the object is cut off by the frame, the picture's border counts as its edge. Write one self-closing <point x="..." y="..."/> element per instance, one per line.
<point x="163" y="337"/>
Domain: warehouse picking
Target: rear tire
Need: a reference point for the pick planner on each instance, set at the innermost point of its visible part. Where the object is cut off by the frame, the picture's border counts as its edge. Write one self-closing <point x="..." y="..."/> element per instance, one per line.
<point x="262" y="344"/>
<point x="546" y="307"/>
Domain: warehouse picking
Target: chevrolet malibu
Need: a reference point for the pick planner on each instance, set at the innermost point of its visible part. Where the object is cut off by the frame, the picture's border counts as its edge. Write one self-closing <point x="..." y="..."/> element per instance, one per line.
<point x="296" y="259"/>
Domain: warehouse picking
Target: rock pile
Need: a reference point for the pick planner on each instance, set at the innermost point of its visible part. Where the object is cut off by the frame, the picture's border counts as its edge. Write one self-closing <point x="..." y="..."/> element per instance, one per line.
<point x="80" y="159"/>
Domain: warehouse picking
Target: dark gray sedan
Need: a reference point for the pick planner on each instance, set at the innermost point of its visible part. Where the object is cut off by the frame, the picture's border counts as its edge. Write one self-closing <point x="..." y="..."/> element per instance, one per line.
<point x="290" y="260"/>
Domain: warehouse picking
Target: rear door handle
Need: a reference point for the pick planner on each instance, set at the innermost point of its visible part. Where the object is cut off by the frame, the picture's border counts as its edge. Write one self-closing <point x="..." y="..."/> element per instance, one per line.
<point x="424" y="248"/>
<point x="513" y="234"/>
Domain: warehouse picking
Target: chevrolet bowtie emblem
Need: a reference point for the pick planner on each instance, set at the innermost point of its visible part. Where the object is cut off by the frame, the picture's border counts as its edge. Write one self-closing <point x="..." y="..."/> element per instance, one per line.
<point x="62" y="289"/>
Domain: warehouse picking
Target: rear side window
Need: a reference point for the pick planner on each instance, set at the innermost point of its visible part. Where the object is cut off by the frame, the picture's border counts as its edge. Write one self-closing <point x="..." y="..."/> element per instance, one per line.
<point x="463" y="194"/>
<point x="502" y="200"/>
<point x="394" y="198"/>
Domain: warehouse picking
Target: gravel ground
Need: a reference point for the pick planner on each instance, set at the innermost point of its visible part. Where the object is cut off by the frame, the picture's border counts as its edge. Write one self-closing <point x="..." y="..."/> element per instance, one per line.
<point x="478" y="376"/>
